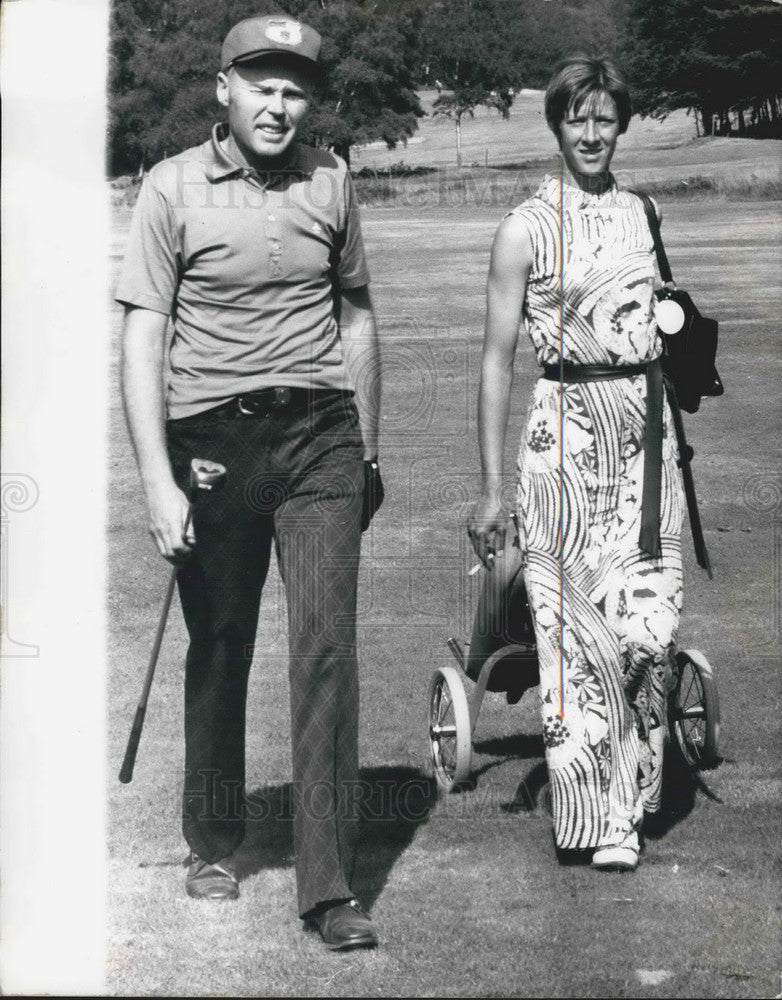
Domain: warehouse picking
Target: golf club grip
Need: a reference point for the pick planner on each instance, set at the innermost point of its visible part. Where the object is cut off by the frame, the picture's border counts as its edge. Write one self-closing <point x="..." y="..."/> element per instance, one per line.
<point x="126" y="771"/>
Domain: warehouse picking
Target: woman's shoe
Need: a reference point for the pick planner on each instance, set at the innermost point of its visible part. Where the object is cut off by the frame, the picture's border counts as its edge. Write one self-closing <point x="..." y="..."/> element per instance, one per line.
<point x="617" y="857"/>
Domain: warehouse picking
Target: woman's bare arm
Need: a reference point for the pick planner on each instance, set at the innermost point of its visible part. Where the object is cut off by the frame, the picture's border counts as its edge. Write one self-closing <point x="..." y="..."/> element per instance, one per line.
<point x="511" y="259"/>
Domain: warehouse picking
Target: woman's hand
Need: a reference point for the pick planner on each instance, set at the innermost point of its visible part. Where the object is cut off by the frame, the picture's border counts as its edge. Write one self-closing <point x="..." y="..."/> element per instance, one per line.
<point x="487" y="528"/>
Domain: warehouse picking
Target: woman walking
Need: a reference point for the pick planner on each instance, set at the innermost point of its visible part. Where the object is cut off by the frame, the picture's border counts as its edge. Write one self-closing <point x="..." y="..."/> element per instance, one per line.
<point x="599" y="498"/>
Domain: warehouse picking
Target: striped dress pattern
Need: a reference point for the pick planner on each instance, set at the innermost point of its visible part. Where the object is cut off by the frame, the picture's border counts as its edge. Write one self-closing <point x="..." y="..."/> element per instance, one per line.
<point x="606" y="614"/>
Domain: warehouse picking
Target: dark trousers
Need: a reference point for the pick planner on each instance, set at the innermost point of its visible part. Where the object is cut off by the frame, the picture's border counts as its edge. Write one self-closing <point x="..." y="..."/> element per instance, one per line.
<point x="295" y="477"/>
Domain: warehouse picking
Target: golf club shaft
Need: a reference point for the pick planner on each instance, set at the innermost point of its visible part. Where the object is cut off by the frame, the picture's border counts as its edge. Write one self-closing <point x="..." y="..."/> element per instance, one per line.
<point x="126" y="771"/>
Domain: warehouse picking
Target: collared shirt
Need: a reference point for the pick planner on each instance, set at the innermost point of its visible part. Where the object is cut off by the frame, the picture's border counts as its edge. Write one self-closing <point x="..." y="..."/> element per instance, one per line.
<point x="247" y="265"/>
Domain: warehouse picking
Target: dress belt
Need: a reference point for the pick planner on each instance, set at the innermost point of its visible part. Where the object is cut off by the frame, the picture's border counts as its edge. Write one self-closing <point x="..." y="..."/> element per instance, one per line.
<point x="656" y="384"/>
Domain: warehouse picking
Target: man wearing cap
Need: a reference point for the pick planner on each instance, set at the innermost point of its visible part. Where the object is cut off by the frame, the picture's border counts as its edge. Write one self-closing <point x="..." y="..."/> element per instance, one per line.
<point x="251" y="244"/>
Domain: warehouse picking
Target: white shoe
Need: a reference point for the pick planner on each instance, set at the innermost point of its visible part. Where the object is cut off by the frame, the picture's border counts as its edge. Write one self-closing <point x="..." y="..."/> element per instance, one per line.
<point x="617" y="857"/>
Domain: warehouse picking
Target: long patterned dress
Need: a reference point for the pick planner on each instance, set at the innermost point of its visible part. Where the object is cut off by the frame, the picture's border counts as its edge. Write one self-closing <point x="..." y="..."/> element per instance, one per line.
<point x="606" y="614"/>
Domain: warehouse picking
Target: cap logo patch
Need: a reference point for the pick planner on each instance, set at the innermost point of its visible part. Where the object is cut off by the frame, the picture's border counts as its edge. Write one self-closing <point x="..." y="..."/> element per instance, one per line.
<point x="284" y="32"/>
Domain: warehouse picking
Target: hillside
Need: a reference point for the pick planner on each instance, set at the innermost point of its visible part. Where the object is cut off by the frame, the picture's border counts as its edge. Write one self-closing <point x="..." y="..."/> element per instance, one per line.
<point x="651" y="150"/>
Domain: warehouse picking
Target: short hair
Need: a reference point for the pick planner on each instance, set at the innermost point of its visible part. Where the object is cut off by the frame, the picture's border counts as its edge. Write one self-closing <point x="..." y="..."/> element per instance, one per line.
<point x="579" y="77"/>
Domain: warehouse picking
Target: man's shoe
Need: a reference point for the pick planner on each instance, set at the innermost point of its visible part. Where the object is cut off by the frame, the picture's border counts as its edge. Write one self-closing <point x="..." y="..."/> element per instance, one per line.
<point x="345" y="926"/>
<point x="216" y="881"/>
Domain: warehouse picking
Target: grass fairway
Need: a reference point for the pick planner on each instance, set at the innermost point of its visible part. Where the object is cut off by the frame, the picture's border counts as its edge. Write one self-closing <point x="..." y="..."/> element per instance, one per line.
<point x="467" y="894"/>
<point x="651" y="151"/>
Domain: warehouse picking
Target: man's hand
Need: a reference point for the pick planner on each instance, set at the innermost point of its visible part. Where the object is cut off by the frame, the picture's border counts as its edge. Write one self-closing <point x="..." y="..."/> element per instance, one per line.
<point x="374" y="493"/>
<point x="487" y="527"/>
<point x="168" y="510"/>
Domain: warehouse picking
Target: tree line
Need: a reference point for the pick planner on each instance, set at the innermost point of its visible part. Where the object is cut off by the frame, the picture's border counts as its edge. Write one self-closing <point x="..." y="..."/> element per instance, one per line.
<point x="720" y="58"/>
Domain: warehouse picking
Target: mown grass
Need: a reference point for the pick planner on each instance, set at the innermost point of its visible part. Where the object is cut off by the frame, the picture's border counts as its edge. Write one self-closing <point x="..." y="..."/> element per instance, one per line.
<point x="504" y="162"/>
<point x="503" y="187"/>
<point x="467" y="893"/>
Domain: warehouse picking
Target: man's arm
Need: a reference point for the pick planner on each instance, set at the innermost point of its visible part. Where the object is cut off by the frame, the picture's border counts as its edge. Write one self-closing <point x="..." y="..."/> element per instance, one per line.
<point x="142" y="392"/>
<point x="362" y="357"/>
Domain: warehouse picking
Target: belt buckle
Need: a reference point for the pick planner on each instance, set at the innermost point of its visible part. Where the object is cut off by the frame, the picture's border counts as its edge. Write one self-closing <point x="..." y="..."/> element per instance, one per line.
<point x="278" y="397"/>
<point x="242" y="409"/>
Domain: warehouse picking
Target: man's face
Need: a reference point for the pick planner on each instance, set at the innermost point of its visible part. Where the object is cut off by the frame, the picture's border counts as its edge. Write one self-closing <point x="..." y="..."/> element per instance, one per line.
<point x="588" y="135"/>
<point x="265" y="105"/>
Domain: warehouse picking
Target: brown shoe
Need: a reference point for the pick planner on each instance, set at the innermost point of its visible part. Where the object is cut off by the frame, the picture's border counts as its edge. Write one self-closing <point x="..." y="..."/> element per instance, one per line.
<point x="216" y="881"/>
<point x="345" y="926"/>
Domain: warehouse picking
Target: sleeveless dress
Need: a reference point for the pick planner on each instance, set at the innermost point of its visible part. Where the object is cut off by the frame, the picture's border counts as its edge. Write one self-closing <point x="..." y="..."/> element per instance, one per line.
<point x="606" y="614"/>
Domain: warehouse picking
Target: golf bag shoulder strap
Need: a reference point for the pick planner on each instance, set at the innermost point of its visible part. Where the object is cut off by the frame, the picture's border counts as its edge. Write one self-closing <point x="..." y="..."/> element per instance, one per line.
<point x="654" y="228"/>
<point x="685" y="457"/>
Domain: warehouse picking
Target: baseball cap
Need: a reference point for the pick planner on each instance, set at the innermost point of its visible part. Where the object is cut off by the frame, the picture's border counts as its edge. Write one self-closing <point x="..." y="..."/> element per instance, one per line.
<point x="275" y="35"/>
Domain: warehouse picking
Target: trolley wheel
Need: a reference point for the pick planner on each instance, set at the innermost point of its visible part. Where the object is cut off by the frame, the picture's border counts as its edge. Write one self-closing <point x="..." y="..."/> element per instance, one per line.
<point x="694" y="710"/>
<point x="450" y="733"/>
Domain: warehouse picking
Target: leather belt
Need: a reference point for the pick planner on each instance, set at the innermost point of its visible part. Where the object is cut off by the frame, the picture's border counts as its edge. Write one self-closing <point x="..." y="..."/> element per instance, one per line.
<point x="264" y="402"/>
<point x="656" y="385"/>
<point x="567" y="372"/>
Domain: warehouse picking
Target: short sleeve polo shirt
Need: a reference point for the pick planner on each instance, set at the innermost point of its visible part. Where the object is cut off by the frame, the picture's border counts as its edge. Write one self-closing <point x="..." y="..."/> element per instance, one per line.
<point x="246" y="265"/>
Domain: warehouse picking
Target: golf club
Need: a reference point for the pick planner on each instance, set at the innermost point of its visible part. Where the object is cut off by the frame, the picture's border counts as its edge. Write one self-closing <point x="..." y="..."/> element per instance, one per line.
<point x="204" y="475"/>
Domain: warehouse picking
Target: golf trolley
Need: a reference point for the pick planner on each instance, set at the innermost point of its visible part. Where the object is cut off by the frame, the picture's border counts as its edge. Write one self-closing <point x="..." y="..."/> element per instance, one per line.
<point x="502" y="657"/>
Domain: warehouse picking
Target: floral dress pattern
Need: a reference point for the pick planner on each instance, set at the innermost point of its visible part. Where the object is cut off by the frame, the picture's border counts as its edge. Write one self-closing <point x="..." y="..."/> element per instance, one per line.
<point x="606" y="614"/>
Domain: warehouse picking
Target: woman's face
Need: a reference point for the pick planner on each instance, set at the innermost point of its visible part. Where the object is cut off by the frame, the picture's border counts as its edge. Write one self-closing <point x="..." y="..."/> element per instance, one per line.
<point x="587" y="136"/>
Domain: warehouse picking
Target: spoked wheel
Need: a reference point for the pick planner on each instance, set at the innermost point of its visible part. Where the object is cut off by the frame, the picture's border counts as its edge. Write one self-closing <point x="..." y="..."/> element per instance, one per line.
<point x="450" y="733"/>
<point x="694" y="710"/>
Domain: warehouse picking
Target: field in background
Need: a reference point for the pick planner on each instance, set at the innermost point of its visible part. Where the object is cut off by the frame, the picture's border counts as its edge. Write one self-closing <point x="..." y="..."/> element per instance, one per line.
<point x="504" y="160"/>
<point x="488" y="139"/>
<point x="467" y="893"/>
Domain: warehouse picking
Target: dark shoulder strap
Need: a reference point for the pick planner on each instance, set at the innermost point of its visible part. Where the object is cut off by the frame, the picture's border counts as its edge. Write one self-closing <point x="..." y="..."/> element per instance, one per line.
<point x="654" y="228"/>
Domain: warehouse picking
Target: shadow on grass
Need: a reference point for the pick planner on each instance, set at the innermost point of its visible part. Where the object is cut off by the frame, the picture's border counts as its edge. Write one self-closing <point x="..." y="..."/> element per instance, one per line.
<point x="401" y="800"/>
<point x="397" y="801"/>
<point x="679" y="790"/>
<point x="517" y="747"/>
<point x="532" y="792"/>
<point x="520" y="746"/>
<point x="680" y="786"/>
